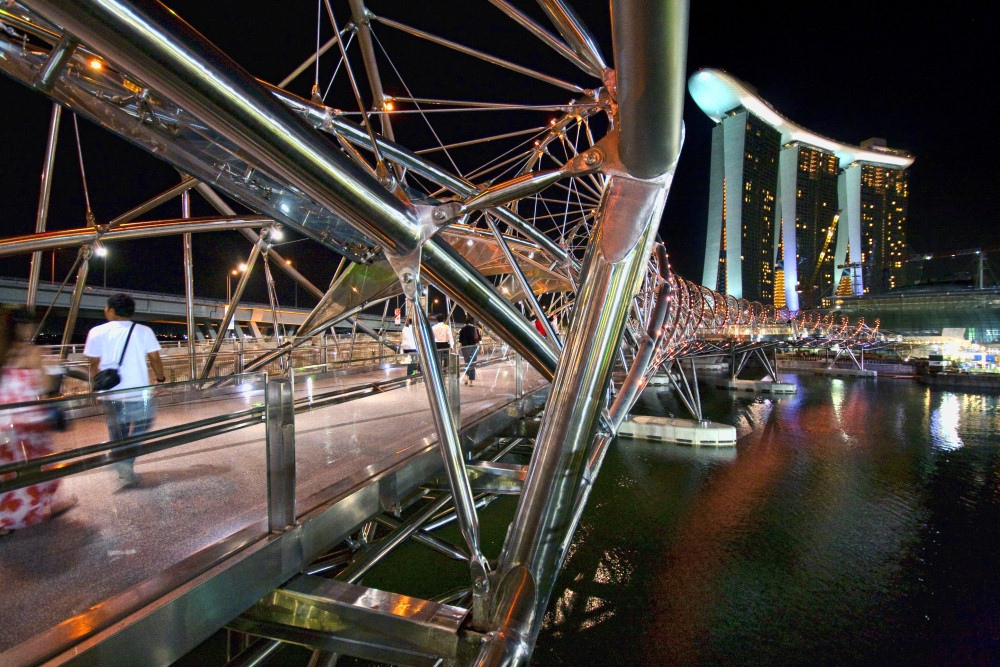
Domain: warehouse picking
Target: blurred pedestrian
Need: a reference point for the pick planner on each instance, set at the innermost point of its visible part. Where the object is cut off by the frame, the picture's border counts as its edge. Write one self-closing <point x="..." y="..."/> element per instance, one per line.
<point x="468" y="339"/>
<point x="123" y="344"/>
<point x="408" y="344"/>
<point x="25" y="432"/>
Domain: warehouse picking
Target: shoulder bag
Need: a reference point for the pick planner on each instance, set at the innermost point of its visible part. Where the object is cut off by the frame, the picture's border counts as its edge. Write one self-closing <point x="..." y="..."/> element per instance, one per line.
<point x="109" y="377"/>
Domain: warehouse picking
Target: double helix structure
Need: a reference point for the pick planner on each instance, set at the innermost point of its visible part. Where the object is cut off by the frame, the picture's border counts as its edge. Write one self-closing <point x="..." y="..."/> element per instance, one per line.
<point x="526" y="186"/>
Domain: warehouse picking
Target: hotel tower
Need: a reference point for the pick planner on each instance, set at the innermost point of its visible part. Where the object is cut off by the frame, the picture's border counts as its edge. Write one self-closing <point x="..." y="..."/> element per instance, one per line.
<point x="794" y="217"/>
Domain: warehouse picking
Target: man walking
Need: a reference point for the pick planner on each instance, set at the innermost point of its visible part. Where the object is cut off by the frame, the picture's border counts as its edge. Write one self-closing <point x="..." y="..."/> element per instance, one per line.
<point x="444" y="339"/>
<point x="468" y="338"/>
<point x="122" y="344"/>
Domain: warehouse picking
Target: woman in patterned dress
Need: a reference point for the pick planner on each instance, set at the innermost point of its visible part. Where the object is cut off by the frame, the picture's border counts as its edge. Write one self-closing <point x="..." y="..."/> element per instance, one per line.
<point x="24" y="432"/>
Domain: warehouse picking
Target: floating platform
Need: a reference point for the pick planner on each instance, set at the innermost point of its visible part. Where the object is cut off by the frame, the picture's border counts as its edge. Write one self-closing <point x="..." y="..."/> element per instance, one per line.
<point x="758" y="386"/>
<point x="680" y="431"/>
<point x="846" y="372"/>
<point x="661" y="380"/>
<point x="979" y="383"/>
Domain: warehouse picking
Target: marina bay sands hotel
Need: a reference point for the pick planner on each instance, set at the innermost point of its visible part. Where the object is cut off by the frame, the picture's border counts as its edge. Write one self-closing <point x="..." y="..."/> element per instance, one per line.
<point x="793" y="216"/>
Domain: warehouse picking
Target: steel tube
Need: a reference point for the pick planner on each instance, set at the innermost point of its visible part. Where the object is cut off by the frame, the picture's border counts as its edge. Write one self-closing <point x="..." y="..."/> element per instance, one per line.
<point x="178" y="62"/>
<point x="367" y="560"/>
<point x="633" y="382"/>
<point x="427" y="539"/>
<point x="231" y="311"/>
<point x="189" y="286"/>
<point x="220" y="205"/>
<point x="360" y="15"/>
<point x="44" y="196"/>
<point x="525" y="286"/>
<point x="186" y="184"/>
<point x="475" y="53"/>
<point x="322" y="118"/>
<point x="545" y="36"/>
<point x="72" y="238"/>
<point x="573" y="30"/>
<point x="58" y="57"/>
<point x="612" y="273"/>
<point x="169" y="55"/>
<point x="650" y="42"/>
<point x="280" y="444"/>
<point x="448" y="440"/>
<point x="74" y="305"/>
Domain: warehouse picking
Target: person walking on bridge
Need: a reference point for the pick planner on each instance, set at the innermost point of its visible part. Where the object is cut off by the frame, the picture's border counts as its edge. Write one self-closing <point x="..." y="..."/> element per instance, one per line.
<point x="24" y="431"/>
<point x="468" y="338"/>
<point x="444" y="339"/>
<point x="123" y="344"/>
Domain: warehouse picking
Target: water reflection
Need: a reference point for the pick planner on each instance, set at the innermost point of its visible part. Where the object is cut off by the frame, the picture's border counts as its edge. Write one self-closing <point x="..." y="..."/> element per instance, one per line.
<point x="794" y="548"/>
<point x="945" y="422"/>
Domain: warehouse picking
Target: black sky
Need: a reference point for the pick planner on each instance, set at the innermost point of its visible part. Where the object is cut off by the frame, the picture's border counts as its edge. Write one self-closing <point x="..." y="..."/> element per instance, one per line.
<point x="923" y="80"/>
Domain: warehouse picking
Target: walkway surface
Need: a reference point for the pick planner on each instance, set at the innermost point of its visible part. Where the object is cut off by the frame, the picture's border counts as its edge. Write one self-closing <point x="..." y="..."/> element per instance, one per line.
<point x="193" y="496"/>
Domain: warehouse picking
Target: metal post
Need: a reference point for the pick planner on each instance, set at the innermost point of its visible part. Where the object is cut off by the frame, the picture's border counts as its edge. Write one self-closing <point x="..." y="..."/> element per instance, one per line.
<point x="697" y="392"/>
<point x="231" y="311"/>
<point x="529" y="296"/>
<point x="451" y="447"/>
<point x="43" y="202"/>
<point x="645" y="34"/>
<point x="280" y="455"/>
<point x="453" y="376"/>
<point x="58" y="57"/>
<point x="188" y="286"/>
<point x="518" y="376"/>
<point x="74" y="307"/>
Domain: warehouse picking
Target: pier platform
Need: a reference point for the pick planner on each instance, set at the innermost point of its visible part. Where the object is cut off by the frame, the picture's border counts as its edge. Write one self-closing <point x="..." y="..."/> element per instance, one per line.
<point x="757" y="386"/>
<point x="679" y="431"/>
<point x="846" y="372"/>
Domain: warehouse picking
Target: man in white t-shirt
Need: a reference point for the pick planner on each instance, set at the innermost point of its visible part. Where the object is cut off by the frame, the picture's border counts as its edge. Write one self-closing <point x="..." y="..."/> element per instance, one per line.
<point x="444" y="339"/>
<point x="129" y="413"/>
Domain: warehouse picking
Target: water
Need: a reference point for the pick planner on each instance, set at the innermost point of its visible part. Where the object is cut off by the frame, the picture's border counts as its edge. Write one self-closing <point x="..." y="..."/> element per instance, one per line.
<point x="855" y="522"/>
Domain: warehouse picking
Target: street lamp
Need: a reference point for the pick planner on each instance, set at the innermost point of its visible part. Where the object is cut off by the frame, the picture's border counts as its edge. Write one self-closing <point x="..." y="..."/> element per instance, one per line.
<point x="102" y="252"/>
<point x="235" y="272"/>
<point x="229" y="290"/>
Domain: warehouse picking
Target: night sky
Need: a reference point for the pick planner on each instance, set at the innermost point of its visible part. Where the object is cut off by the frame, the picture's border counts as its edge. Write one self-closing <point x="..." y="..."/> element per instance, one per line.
<point x="920" y="79"/>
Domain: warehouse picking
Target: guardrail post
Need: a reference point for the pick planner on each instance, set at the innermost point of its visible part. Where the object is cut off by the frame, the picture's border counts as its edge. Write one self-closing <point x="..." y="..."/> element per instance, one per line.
<point x="280" y="455"/>
<point x="518" y="376"/>
<point x="453" y="376"/>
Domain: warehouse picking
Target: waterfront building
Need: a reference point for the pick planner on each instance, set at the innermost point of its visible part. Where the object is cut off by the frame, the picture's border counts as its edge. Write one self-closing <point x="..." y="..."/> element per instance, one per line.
<point x="824" y="211"/>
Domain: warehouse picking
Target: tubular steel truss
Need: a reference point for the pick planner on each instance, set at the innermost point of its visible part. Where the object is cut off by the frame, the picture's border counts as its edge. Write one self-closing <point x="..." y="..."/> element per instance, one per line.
<point x="556" y="210"/>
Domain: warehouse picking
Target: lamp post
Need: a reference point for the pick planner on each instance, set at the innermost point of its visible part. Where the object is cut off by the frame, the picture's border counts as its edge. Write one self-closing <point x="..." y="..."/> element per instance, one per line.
<point x="295" y="283"/>
<point x="229" y="289"/>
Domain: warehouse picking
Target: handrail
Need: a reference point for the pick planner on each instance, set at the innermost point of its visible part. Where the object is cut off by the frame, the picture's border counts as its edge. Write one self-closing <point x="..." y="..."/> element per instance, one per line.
<point x="34" y="471"/>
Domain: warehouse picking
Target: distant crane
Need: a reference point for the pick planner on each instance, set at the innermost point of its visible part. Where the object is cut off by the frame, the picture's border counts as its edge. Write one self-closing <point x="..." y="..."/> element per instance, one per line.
<point x="979" y="253"/>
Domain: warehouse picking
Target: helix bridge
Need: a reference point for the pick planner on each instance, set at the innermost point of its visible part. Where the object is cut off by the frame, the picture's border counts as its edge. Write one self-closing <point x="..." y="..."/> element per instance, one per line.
<point x="522" y="195"/>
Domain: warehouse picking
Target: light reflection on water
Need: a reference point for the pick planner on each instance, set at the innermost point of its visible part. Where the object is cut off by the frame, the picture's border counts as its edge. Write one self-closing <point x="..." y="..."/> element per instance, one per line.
<point x="849" y="525"/>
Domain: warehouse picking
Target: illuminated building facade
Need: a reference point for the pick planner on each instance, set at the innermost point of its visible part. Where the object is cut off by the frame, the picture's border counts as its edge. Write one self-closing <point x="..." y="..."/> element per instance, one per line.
<point x="822" y="212"/>
<point x="884" y="197"/>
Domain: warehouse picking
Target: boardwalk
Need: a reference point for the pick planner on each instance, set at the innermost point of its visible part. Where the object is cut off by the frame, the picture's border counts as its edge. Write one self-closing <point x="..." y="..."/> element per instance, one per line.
<point x="192" y="497"/>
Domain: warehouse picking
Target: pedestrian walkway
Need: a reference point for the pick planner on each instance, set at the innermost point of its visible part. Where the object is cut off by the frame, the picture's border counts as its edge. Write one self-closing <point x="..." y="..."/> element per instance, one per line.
<point x="191" y="497"/>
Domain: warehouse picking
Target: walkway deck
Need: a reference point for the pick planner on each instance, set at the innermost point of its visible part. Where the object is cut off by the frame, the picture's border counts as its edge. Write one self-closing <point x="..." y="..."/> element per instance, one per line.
<point x="195" y="496"/>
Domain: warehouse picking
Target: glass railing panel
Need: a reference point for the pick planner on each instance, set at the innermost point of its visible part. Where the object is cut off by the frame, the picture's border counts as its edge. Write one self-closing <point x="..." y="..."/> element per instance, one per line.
<point x="198" y="484"/>
<point x="355" y="421"/>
